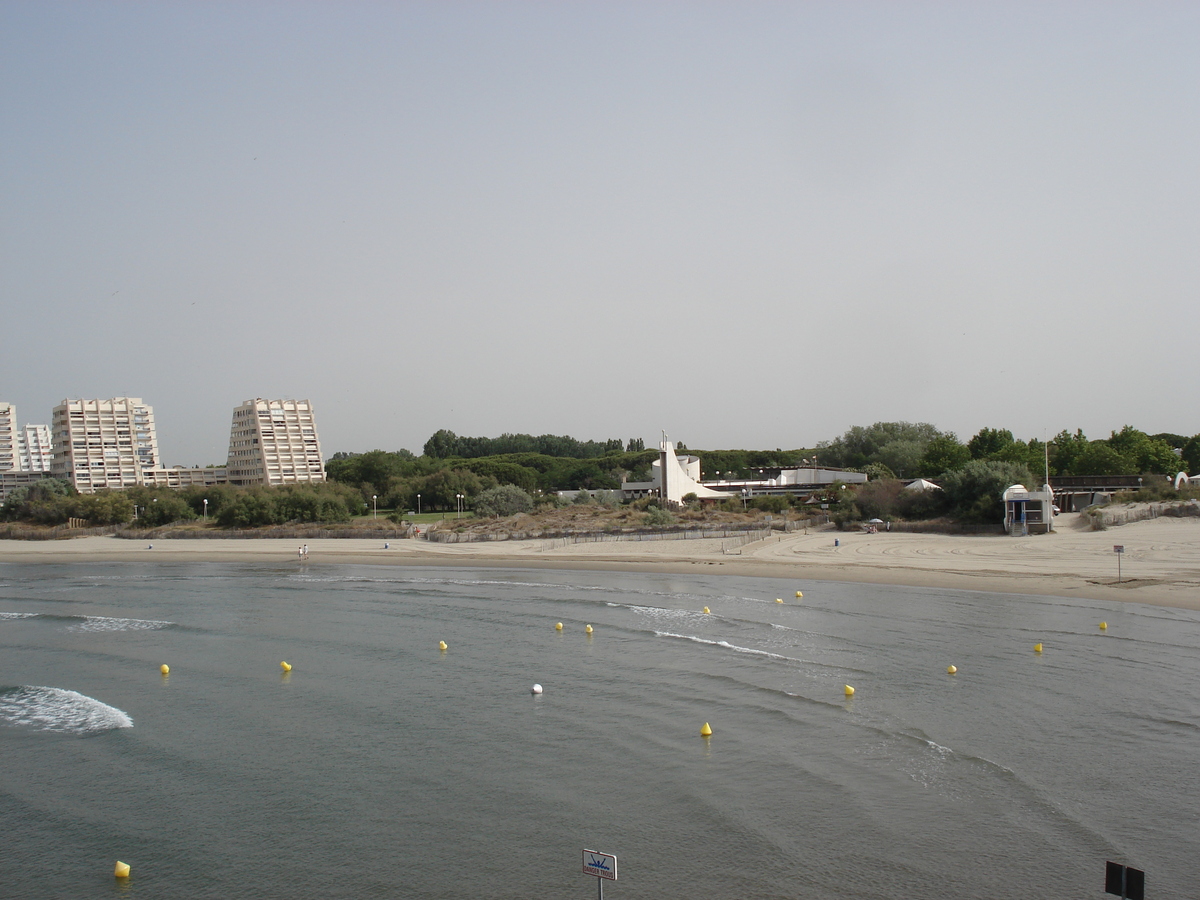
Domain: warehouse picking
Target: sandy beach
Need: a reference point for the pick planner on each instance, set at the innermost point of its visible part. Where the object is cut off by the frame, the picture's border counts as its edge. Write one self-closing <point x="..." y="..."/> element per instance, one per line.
<point x="1160" y="565"/>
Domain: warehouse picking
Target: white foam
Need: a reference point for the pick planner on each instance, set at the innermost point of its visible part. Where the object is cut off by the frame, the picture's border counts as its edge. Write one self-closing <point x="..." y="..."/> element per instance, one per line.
<point x="59" y="710"/>
<point x="14" y="615"/>
<point x="112" y="623"/>
<point x="728" y="646"/>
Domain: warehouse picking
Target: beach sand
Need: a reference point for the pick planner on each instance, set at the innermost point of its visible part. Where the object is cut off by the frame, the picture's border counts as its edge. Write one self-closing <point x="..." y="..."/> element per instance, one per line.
<point x="1161" y="563"/>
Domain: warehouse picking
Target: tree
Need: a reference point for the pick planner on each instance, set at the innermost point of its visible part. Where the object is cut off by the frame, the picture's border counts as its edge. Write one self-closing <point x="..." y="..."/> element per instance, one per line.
<point x="903" y="456"/>
<point x="635" y="445"/>
<point x="863" y="445"/>
<point x="442" y="444"/>
<point x="1191" y="455"/>
<point x="975" y="492"/>
<point x="988" y="442"/>
<point x="1065" y="449"/>
<point x="1146" y="453"/>
<point x="944" y="453"/>
<point x="1099" y="458"/>
<point x="503" y="500"/>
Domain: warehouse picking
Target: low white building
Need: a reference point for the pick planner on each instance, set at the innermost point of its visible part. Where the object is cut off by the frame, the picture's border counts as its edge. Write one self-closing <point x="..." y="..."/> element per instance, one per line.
<point x="674" y="477"/>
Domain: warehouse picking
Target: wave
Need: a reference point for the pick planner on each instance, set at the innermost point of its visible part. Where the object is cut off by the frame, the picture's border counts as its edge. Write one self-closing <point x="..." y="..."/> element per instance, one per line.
<point x="94" y="623"/>
<point x="58" y="710"/>
<point x="728" y="646"/>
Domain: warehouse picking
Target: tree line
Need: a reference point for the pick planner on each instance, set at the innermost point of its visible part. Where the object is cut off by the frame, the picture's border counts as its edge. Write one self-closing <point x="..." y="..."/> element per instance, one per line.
<point x="445" y="444"/>
<point x="52" y="501"/>
<point x="906" y="450"/>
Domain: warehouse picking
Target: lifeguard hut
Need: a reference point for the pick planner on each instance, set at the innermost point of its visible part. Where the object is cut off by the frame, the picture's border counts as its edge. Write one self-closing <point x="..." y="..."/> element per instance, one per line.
<point x="1026" y="511"/>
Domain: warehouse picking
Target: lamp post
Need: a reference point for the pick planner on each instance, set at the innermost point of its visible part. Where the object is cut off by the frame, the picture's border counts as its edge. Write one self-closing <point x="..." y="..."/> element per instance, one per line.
<point x="206" y="509"/>
<point x="418" y="504"/>
<point x="458" y="501"/>
<point x="375" y="504"/>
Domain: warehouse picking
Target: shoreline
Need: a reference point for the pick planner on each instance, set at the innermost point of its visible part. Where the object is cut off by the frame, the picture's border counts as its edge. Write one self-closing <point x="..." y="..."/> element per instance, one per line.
<point x="1160" y="566"/>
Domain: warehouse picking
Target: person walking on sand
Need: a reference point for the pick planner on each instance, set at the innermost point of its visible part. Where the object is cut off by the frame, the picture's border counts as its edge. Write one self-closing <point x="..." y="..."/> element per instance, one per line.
<point x="299" y="553"/>
<point x="306" y="551"/>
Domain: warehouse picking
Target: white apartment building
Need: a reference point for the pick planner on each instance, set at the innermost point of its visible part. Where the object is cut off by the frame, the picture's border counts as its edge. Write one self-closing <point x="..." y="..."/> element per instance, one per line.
<point x="8" y="437"/>
<point x="103" y="443"/>
<point x="274" y="442"/>
<point x="35" y="450"/>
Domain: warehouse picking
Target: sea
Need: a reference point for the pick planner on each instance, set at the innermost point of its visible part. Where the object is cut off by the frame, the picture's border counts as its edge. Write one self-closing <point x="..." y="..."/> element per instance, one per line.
<point x="382" y="766"/>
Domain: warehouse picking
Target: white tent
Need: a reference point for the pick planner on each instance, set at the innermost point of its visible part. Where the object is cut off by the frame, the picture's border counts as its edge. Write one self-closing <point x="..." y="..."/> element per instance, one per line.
<point x="922" y="485"/>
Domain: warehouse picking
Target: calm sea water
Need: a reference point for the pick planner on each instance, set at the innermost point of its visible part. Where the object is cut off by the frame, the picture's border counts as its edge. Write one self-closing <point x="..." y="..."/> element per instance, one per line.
<point x="383" y="767"/>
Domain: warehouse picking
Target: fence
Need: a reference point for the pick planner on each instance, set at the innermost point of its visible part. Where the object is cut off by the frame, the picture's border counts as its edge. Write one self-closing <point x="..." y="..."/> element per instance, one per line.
<point x="1105" y="517"/>
<point x="554" y="541"/>
<point x="298" y="532"/>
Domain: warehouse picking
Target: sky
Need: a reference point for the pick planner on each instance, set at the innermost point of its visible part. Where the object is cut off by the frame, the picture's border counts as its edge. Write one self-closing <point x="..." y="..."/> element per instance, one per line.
<point x="749" y="224"/>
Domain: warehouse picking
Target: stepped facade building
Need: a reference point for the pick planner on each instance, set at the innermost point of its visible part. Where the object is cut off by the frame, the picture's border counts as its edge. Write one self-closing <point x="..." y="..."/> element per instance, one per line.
<point x="8" y="436"/>
<point x="274" y="442"/>
<point x="103" y="443"/>
<point x="35" y="449"/>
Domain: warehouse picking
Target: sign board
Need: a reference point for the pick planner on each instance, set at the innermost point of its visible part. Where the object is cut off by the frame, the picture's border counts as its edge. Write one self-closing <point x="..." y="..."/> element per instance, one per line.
<point x="602" y="865"/>
<point x="1118" y="548"/>
<point x="1124" y="881"/>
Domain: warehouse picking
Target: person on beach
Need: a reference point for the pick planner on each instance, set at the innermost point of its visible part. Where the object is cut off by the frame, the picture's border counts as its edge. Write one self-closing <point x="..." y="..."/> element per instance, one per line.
<point x="306" y="551"/>
<point x="299" y="553"/>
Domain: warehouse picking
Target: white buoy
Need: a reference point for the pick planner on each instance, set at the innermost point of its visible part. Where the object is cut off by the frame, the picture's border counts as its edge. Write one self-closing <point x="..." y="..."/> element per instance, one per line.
<point x="536" y="689"/>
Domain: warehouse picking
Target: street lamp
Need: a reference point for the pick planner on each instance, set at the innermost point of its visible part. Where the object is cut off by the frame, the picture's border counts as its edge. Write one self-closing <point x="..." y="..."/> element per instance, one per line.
<point x="418" y="504"/>
<point x="375" y="504"/>
<point x="459" y="499"/>
<point x="205" y="509"/>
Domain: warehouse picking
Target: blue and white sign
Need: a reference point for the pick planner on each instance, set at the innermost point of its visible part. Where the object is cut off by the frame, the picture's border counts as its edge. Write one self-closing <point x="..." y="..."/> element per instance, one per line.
<point x="602" y="865"/>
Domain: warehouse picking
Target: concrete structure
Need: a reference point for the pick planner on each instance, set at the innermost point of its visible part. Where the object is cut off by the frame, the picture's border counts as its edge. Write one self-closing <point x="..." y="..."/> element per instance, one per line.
<point x="1028" y="512"/>
<point x="35" y="450"/>
<point x="274" y="442"/>
<point x="103" y="443"/>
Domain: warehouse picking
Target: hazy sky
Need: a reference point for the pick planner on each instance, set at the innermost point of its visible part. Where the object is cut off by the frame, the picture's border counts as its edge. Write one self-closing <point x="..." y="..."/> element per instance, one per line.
<point x="753" y="224"/>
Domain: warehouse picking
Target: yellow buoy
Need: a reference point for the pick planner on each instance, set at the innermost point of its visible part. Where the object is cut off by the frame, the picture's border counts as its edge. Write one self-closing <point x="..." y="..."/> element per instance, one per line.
<point x="1037" y="648"/>
<point x="706" y="609"/>
<point x="706" y="731"/>
<point x="286" y="666"/>
<point x="778" y="600"/>
<point x="588" y="629"/>
<point x="799" y="593"/>
<point x="558" y="626"/>
<point x="950" y="670"/>
<point x="121" y="870"/>
<point x="1103" y="626"/>
<point x="849" y="690"/>
<point x="441" y="645"/>
<point x="165" y="669"/>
